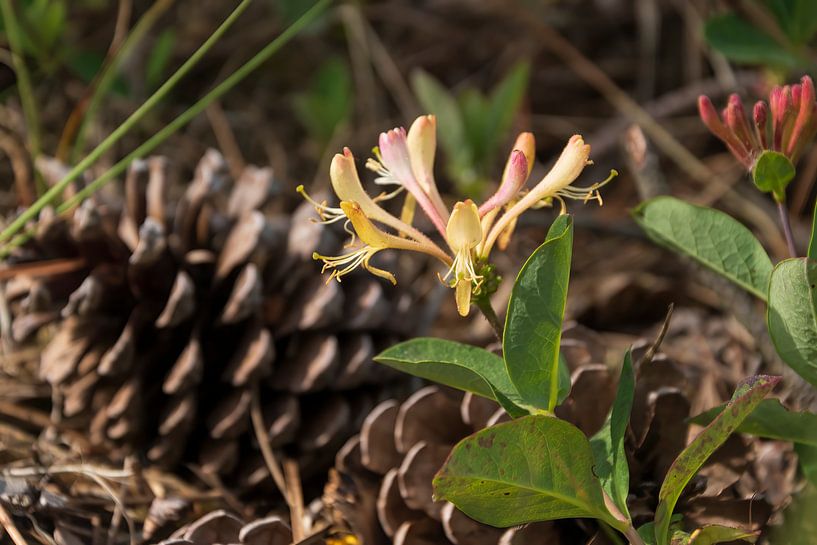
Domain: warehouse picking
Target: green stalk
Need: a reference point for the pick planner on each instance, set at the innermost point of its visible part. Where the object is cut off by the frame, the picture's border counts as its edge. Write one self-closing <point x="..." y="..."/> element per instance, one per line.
<point x="109" y="71"/>
<point x="32" y="211"/>
<point x="23" y="79"/>
<point x="185" y="117"/>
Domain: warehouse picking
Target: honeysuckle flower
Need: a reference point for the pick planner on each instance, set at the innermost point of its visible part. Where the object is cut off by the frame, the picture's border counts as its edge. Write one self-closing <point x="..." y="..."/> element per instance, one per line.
<point x="464" y="233"/>
<point x="405" y="160"/>
<point x="791" y="125"/>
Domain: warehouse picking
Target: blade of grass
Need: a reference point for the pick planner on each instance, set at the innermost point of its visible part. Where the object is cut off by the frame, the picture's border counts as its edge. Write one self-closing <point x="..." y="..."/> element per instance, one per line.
<point x="23" y="78"/>
<point x="108" y="74"/>
<point x="184" y="118"/>
<point x="31" y="212"/>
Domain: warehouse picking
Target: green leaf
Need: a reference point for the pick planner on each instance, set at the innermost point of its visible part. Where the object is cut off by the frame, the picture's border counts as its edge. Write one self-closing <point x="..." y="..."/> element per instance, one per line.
<point x="608" y="444"/>
<point x="532" y="469"/>
<point x="812" y="244"/>
<point x="797" y="18"/>
<point x="647" y="530"/>
<point x="647" y="533"/>
<point x="159" y="58"/>
<point x="771" y="420"/>
<point x="747" y="396"/>
<point x="744" y="43"/>
<point x="533" y="327"/>
<point x="712" y="534"/>
<point x="792" y="315"/>
<point x="460" y="366"/>
<point x="564" y="380"/>
<point x="327" y="102"/>
<point x="435" y="98"/>
<point x="505" y="100"/>
<point x="772" y="173"/>
<point x="711" y="238"/>
<point x="807" y="456"/>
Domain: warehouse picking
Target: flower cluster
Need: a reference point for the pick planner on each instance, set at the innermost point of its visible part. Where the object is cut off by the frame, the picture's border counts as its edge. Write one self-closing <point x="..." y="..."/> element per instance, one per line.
<point x="791" y="125"/>
<point x="404" y="162"/>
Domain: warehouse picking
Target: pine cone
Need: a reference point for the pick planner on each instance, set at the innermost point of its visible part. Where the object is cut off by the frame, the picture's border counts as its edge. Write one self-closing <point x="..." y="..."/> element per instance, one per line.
<point x="184" y="308"/>
<point x="221" y="527"/>
<point x="380" y="487"/>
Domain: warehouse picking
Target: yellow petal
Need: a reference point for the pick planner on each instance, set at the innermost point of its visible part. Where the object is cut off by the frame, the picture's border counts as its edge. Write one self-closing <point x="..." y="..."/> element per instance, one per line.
<point x="463" y="297"/>
<point x="464" y="230"/>
<point x="373" y="236"/>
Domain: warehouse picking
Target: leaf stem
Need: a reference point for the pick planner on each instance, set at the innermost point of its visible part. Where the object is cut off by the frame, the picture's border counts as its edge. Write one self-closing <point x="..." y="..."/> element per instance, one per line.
<point x="618" y="520"/>
<point x="786" y="224"/>
<point x="632" y="536"/>
<point x="484" y="305"/>
<point x="32" y="212"/>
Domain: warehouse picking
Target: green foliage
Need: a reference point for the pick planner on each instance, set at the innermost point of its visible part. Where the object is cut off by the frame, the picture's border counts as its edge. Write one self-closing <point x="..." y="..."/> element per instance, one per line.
<point x="327" y="102"/>
<point x="771" y="420"/>
<point x="538" y="467"/>
<point x="792" y="315"/>
<point x="457" y="365"/>
<point x="747" y="396"/>
<point x="712" y="534"/>
<point x="812" y="243"/>
<point x="797" y="18"/>
<point x="472" y="126"/>
<point x="772" y="173"/>
<point x="45" y="24"/>
<point x="742" y="42"/>
<point x="751" y="42"/>
<point x="807" y="457"/>
<point x="711" y="238"/>
<point x="608" y="444"/>
<point x="159" y="58"/>
<point x="533" y="327"/>
<point x="533" y="468"/>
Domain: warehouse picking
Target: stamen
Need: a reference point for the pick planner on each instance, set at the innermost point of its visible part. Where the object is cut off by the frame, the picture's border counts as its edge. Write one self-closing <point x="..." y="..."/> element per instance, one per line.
<point x="327" y="213"/>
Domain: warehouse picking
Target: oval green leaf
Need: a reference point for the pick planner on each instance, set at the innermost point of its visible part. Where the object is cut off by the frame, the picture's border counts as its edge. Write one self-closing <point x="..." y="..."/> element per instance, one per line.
<point x="460" y="366"/>
<point x="742" y="42"/>
<point x="531" y="469"/>
<point x="533" y="327"/>
<point x="772" y="173"/>
<point x="711" y="238"/>
<point x="792" y="315"/>
<point x="747" y="396"/>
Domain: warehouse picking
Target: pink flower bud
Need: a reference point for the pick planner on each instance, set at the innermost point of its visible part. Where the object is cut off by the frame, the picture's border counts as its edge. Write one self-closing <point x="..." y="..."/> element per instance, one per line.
<point x="804" y="117"/>
<point x="736" y="121"/>
<point x="515" y="176"/>
<point x="760" y="115"/>
<point x="710" y="117"/>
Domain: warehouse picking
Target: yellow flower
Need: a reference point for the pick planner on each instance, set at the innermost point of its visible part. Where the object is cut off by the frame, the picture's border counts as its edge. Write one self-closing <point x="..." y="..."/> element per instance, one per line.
<point x="464" y="233"/>
<point x="406" y="160"/>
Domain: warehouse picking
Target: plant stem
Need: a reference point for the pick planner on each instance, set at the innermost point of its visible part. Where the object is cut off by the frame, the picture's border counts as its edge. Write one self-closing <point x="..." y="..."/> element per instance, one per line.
<point x="784" y="221"/>
<point x="184" y="118"/>
<point x="32" y="212"/>
<point x="26" y="90"/>
<point x="484" y="305"/>
<point x="632" y="536"/>
<point x="109" y="70"/>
